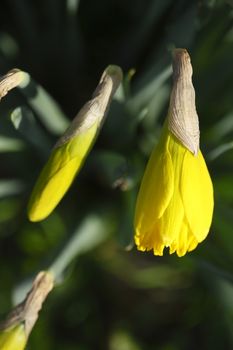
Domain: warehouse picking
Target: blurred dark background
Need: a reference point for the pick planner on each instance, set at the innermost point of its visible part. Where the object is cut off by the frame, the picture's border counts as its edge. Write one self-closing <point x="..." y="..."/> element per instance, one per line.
<point x="111" y="296"/>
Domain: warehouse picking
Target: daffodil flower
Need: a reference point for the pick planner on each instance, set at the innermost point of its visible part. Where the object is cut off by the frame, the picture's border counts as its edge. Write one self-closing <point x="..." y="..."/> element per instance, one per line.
<point x="175" y="202"/>
<point x="15" y="330"/>
<point x="70" y="151"/>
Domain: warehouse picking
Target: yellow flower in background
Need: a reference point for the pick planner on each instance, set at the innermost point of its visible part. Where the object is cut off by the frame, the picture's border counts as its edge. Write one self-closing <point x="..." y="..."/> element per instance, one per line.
<point x="13" y="338"/>
<point x="175" y="202"/>
<point x="70" y="151"/>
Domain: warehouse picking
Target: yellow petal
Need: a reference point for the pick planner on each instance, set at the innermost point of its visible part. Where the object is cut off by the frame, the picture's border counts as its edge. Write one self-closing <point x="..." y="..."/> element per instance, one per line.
<point x="197" y="194"/>
<point x="150" y="240"/>
<point x="184" y="242"/>
<point x="192" y="242"/>
<point x="13" y="338"/>
<point x="155" y="192"/>
<point x="58" y="174"/>
<point x="171" y="221"/>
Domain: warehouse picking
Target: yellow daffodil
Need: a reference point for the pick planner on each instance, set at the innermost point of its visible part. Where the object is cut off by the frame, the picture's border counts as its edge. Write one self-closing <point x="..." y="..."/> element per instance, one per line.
<point x="71" y="150"/>
<point x="175" y="202"/>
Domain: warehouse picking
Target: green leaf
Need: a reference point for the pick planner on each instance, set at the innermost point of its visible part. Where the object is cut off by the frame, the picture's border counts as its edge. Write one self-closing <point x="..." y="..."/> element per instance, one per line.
<point x="10" y="187"/>
<point x="220" y="150"/>
<point x="9" y="144"/>
<point x="89" y="234"/>
<point x="25" y="123"/>
<point x="45" y="107"/>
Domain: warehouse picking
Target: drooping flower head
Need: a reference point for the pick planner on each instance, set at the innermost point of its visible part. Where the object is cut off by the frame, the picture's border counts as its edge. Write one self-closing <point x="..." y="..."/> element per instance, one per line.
<point x="69" y="153"/>
<point x="175" y="202"/>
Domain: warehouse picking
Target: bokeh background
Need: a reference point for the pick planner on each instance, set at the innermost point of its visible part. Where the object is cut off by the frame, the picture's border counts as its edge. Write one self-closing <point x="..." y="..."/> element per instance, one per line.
<point x="110" y="296"/>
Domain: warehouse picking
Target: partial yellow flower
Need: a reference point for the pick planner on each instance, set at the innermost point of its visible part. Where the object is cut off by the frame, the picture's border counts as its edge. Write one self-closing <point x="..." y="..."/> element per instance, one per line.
<point x="13" y="338"/>
<point x="175" y="202"/>
<point x="70" y="151"/>
<point x="15" y="330"/>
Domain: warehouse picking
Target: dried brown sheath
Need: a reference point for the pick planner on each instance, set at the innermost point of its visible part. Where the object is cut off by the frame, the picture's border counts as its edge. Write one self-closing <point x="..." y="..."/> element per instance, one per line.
<point x="182" y="115"/>
<point x="27" y="311"/>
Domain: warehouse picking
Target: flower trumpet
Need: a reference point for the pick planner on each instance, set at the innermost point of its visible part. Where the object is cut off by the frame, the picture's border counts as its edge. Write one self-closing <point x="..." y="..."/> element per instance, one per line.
<point x="175" y="202"/>
<point x="72" y="148"/>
